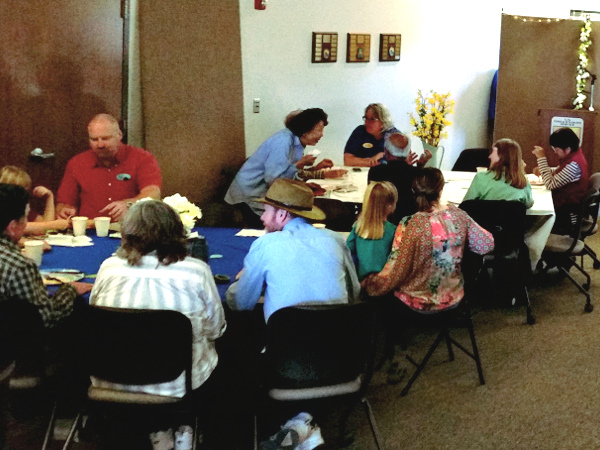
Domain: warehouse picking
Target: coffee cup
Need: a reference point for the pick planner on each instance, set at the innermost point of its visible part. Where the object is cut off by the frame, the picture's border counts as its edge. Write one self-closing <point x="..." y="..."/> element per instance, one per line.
<point x="34" y="250"/>
<point x="79" y="225"/>
<point x="102" y="225"/>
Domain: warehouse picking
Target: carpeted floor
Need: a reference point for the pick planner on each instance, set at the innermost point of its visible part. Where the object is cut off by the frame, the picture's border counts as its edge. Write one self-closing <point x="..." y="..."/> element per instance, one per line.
<point x="542" y="384"/>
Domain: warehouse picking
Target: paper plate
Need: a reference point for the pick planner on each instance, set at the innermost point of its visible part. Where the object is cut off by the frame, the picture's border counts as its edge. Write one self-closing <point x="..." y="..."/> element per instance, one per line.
<point x="59" y="276"/>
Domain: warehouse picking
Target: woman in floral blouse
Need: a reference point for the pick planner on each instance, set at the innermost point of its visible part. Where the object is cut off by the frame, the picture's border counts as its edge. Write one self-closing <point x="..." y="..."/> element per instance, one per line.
<point x="424" y="267"/>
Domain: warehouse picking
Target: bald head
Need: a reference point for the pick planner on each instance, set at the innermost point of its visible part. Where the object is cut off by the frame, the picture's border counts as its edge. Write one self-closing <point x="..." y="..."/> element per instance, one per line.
<point x="105" y="137"/>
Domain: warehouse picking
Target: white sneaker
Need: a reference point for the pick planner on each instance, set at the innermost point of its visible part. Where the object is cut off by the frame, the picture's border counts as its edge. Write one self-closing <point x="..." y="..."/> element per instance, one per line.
<point x="162" y="440"/>
<point x="184" y="437"/>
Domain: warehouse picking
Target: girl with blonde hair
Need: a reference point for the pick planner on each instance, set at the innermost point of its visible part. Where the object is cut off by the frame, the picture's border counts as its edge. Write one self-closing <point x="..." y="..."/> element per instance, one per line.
<point x="505" y="179"/>
<point x="371" y="237"/>
<point x="36" y="223"/>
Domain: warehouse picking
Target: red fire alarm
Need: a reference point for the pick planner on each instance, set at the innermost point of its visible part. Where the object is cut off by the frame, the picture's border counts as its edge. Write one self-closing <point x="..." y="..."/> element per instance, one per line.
<point x="260" y="4"/>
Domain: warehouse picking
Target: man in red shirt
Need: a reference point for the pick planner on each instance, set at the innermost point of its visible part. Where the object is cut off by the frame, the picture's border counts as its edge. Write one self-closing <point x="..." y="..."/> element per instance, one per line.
<point x="103" y="180"/>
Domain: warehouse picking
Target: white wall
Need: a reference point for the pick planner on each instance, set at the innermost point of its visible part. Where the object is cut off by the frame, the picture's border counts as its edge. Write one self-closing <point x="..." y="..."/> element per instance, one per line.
<point x="446" y="46"/>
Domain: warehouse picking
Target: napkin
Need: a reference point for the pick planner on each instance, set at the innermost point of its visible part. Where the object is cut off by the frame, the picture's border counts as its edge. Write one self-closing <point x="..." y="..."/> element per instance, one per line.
<point x="64" y="240"/>
<point x="247" y="232"/>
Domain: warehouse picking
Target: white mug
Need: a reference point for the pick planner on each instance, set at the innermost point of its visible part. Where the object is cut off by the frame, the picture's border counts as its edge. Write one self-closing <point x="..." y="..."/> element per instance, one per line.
<point x="34" y="250"/>
<point x="79" y="225"/>
<point x="102" y="225"/>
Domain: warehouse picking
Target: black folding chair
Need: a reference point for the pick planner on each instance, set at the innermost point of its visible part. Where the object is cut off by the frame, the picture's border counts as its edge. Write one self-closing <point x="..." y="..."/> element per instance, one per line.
<point x="510" y="263"/>
<point x="319" y="352"/>
<point x="137" y="347"/>
<point x="472" y="158"/>
<point x="340" y="216"/>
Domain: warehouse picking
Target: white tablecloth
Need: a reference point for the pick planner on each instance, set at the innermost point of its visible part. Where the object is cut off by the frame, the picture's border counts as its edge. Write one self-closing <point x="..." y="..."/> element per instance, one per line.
<point x="351" y="188"/>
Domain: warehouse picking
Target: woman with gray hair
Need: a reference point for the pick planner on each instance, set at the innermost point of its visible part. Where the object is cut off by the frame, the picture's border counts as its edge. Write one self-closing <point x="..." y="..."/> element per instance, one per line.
<point x="151" y="270"/>
<point x="365" y="144"/>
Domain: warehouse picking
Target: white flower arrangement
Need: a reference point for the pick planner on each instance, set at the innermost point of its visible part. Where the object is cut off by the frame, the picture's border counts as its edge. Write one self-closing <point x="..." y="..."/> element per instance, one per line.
<point x="188" y="212"/>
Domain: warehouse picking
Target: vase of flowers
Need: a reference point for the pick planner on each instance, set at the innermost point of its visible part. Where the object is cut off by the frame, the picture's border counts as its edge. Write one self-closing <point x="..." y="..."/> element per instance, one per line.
<point x="188" y="212"/>
<point x="431" y="118"/>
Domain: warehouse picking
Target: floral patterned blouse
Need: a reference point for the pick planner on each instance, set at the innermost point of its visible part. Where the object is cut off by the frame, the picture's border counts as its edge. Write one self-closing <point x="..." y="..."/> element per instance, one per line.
<point x="424" y="266"/>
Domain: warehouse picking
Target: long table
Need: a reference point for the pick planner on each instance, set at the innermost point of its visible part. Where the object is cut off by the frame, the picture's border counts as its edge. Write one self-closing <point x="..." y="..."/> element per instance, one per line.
<point x="351" y="188"/>
<point x="226" y="251"/>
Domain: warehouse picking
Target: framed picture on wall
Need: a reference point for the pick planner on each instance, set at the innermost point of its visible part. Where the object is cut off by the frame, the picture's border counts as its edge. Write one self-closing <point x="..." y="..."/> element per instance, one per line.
<point x="359" y="48"/>
<point x="324" y="47"/>
<point x="389" y="47"/>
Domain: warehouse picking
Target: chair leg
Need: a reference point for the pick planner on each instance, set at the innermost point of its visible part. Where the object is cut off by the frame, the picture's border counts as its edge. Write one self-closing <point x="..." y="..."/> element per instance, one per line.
<point x="529" y="311"/>
<point x="592" y="254"/>
<point x="372" y="423"/>
<point x="421" y="365"/>
<point x="72" y="430"/>
<point x="588" y="279"/>
<point x="476" y="353"/>
<point x="50" y="429"/>
<point x="195" y="432"/>
<point x="588" y="303"/>
<point x="446" y="332"/>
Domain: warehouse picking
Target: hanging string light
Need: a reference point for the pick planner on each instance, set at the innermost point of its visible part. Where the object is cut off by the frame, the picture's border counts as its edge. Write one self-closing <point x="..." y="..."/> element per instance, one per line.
<point x="582" y="73"/>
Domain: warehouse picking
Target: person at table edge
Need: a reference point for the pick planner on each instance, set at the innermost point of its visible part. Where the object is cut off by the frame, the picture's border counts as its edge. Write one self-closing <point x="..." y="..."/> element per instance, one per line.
<point x="294" y="262"/>
<point x="364" y="147"/>
<point x="281" y="156"/>
<point x="20" y="278"/>
<point x="569" y="181"/>
<point x="107" y="178"/>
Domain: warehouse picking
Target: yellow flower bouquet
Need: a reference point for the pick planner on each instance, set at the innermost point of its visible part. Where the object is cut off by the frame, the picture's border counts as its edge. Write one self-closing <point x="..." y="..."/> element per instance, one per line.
<point x="431" y="117"/>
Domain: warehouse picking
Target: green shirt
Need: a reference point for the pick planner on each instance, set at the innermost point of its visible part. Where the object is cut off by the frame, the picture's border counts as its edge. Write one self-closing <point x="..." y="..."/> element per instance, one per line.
<point x="485" y="187"/>
<point x="372" y="254"/>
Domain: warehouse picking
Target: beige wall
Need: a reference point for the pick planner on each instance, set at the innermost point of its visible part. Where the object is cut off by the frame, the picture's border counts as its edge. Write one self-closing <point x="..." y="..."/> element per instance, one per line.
<point x="537" y="70"/>
<point x="191" y="84"/>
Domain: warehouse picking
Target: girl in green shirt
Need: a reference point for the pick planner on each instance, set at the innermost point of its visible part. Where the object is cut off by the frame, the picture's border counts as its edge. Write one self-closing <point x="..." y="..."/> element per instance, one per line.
<point x="370" y="240"/>
<point x="505" y="179"/>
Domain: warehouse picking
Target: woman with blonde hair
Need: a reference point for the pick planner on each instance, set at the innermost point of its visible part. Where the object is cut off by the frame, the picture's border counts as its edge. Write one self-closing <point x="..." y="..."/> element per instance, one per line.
<point x="505" y="179"/>
<point x="365" y="144"/>
<point x="371" y="237"/>
<point x="36" y="223"/>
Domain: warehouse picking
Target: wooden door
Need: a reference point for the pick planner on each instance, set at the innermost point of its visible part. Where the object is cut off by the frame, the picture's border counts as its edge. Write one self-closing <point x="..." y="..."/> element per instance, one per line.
<point x="60" y="64"/>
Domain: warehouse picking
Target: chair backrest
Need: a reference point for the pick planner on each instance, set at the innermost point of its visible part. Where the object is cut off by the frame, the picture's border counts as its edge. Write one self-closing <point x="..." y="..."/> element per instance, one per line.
<point x="135" y="346"/>
<point x="472" y="158"/>
<point x="588" y="215"/>
<point x="340" y="216"/>
<point x="21" y="333"/>
<point x="310" y="346"/>
<point x="504" y="219"/>
<point x="595" y="181"/>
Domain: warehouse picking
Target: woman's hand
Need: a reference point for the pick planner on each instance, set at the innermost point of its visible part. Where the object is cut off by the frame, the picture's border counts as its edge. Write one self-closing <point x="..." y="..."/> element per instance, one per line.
<point x="334" y="173"/>
<point x="325" y="164"/>
<point x="374" y="160"/>
<point x="538" y="152"/>
<point x="306" y="160"/>
<point x="81" y="287"/>
<point x="41" y="191"/>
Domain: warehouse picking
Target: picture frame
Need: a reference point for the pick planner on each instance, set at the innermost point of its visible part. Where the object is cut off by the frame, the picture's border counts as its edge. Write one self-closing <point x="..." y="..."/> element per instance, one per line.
<point x="389" y="47"/>
<point x="358" y="48"/>
<point x="324" y="47"/>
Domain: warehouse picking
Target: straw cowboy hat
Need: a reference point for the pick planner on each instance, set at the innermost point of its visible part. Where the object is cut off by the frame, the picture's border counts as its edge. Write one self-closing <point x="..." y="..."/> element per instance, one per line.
<point x="293" y="196"/>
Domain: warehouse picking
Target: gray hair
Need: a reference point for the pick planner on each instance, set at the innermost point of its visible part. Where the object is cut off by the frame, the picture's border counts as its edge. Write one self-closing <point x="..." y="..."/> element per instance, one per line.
<point x="391" y="144"/>
<point x="381" y="112"/>
<point x="152" y="225"/>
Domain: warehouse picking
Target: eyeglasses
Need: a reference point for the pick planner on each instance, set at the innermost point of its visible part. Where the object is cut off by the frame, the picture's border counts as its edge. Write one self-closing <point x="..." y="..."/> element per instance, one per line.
<point x="370" y="119"/>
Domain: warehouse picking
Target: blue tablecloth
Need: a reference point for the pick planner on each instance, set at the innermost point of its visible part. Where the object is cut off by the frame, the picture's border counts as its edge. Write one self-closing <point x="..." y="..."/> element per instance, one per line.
<point x="221" y="241"/>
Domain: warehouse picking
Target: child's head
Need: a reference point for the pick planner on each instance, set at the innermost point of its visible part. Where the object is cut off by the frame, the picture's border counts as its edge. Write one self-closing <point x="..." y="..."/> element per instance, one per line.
<point x="506" y="160"/>
<point x="427" y="187"/>
<point x="397" y="145"/>
<point x="564" y="138"/>
<point x="380" y="201"/>
<point x="15" y="175"/>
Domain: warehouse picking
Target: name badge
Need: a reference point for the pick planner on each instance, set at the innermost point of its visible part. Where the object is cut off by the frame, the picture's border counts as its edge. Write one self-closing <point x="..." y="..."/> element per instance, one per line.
<point x="367" y="145"/>
<point x="123" y="177"/>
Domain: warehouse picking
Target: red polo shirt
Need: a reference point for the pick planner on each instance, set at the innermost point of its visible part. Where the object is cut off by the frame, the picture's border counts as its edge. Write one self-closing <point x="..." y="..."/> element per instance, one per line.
<point x="90" y="186"/>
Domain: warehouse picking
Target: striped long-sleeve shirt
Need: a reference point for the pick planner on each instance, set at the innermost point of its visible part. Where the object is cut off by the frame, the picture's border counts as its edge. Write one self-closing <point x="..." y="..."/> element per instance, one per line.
<point x="553" y="178"/>
<point x="186" y="286"/>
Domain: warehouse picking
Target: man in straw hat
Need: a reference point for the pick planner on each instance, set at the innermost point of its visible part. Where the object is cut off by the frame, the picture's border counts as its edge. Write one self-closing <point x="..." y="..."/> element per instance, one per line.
<point x="294" y="262"/>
